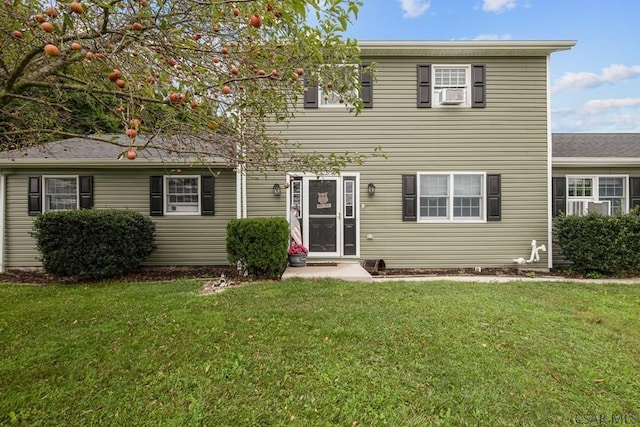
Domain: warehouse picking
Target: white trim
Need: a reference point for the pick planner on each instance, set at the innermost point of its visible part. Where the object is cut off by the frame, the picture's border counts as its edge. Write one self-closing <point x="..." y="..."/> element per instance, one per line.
<point x="435" y="93"/>
<point x="450" y="196"/>
<point x="549" y="170"/>
<point x="305" y="177"/>
<point x="43" y="182"/>
<point x="165" y="188"/>
<point x="595" y="161"/>
<point x="344" y="104"/>
<point x="3" y="188"/>
<point x="595" y="183"/>
<point x="464" y="47"/>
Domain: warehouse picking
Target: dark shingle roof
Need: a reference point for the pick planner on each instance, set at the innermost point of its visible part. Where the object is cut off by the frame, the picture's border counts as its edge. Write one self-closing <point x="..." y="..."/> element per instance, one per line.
<point x="596" y="145"/>
<point x="82" y="150"/>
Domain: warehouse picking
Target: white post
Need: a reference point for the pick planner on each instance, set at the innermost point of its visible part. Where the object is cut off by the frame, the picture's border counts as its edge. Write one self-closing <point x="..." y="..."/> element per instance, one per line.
<point x="2" y="219"/>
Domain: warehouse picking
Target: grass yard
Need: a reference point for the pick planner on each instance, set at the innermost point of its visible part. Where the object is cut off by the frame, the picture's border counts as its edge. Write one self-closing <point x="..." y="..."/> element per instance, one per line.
<point x="320" y="353"/>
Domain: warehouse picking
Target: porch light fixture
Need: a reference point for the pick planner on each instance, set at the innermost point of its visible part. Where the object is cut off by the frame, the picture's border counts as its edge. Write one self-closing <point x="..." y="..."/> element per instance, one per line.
<point x="371" y="189"/>
<point x="276" y="189"/>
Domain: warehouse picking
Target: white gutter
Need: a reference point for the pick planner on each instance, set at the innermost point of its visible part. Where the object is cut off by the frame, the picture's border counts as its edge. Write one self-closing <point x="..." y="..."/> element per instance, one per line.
<point x="595" y="161"/>
<point x="2" y="218"/>
<point x="549" y="173"/>
<point x="238" y="192"/>
<point x="244" y="191"/>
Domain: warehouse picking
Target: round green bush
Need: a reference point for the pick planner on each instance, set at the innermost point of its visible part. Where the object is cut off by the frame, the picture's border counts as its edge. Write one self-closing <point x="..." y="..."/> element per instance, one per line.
<point x="93" y="243"/>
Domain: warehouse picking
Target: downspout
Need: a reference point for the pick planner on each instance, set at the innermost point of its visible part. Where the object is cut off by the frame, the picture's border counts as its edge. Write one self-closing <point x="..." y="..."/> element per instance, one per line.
<point x="2" y="218"/>
<point x="238" y="192"/>
<point x="244" y="191"/>
<point x="549" y="173"/>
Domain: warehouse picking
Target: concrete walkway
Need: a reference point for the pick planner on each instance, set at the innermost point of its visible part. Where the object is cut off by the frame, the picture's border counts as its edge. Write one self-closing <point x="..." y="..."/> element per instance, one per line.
<point x="351" y="271"/>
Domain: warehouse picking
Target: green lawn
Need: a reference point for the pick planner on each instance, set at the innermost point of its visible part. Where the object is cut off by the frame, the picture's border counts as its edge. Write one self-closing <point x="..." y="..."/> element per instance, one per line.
<point x="320" y="353"/>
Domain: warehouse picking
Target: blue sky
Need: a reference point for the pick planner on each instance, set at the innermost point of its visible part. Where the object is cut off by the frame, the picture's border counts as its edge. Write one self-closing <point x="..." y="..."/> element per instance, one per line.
<point x="595" y="86"/>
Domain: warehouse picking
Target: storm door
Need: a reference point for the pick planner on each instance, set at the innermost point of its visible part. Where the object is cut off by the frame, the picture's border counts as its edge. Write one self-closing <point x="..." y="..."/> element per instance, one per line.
<point x="323" y="216"/>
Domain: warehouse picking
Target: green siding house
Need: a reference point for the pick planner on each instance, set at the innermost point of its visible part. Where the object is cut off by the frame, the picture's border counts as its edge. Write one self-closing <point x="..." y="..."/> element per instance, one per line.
<point x="466" y="181"/>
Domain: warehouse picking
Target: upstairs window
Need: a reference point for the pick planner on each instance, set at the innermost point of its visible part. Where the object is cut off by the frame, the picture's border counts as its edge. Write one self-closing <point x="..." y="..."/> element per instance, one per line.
<point x="451" y="86"/>
<point x="329" y="91"/>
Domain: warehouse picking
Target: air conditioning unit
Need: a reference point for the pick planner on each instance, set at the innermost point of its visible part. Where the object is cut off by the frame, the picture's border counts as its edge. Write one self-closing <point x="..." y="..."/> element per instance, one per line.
<point x="452" y="96"/>
<point x="603" y="208"/>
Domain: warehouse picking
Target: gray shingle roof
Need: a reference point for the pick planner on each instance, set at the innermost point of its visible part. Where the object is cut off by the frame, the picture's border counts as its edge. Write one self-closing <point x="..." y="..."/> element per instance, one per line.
<point x="81" y="150"/>
<point x="596" y="145"/>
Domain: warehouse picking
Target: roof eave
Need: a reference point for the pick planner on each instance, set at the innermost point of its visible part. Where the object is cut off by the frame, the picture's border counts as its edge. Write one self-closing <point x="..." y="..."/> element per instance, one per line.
<point x="595" y="161"/>
<point x="464" y="47"/>
<point x="101" y="163"/>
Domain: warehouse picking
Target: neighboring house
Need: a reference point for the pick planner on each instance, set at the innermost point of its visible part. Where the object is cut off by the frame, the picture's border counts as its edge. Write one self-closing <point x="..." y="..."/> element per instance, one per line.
<point x="595" y="172"/>
<point x="466" y="183"/>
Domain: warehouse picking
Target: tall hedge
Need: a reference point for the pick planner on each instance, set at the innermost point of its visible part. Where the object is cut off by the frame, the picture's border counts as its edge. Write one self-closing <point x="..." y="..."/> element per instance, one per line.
<point x="602" y="244"/>
<point x="93" y="243"/>
<point x="260" y="244"/>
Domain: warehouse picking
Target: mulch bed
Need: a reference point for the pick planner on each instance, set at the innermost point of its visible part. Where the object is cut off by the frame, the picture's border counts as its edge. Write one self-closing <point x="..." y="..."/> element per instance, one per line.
<point x="38" y="277"/>
<point x="212" y="274"/>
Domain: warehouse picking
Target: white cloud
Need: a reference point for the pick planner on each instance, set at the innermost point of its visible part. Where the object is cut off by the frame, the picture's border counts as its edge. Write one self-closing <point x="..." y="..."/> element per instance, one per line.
<point x="601" y="106"/>
<point x="599" y="115"/>
<point x="414" y="8"/>
<point x="584" y="80"/>
<point x="498" y="6"/>
<point x="505" y="36"/>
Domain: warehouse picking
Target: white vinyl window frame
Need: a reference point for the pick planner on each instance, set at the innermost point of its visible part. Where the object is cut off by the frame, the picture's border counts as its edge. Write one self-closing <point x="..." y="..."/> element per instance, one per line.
<point x="451" y="76"/>
<point x="577" y="204"/>
<point x="450" y="198"/>
<point x="182" y="199"/>
<point x="328" y="98"/>
<point x="55" y="197"/>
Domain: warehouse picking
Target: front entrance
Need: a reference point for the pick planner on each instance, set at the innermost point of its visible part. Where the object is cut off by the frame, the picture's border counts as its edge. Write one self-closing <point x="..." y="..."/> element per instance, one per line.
<point x="328" y="214"/>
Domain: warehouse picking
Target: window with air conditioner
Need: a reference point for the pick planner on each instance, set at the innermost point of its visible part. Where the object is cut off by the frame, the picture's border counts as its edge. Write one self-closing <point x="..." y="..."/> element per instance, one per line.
<point x="451" y="85"/>
<point x="605" y="195"/>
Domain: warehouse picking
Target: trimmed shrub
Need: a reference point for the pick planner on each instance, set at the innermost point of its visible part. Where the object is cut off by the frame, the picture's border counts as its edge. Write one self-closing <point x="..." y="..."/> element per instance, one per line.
<point x="260" y="244"/>
<point x="600" y="244"/>
<point x="93" y="243"/>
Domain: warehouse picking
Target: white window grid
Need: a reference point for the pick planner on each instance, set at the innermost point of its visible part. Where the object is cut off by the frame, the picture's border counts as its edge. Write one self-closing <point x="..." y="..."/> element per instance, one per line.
<point x="597" y="188"/>
<point x="60" y="193"/>
<point x="453" y="76"/>
<point x="182" y="195"/>
<point x="451" y="196"/>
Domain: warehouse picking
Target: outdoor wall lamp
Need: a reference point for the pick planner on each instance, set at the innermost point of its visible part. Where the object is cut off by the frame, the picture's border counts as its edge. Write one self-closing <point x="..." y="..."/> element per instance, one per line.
<point x="371" y="189"/>
<point x="276" y="189"/>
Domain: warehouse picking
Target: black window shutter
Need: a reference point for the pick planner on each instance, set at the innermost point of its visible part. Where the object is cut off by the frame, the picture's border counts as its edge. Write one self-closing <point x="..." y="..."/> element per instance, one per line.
<point x="156" y="194"/>
<point x="310" y="94"/>
<point x="366" y="86"/>
<point x="35" y="195"/>
<point x="559" y="196"/>
<point x="206" y="193"/>
<point x="634" y="192"/>
<point x="86" y="192"/>
<point x="409" y="198"/>
<point x="424" y="86"/>
<point x="478" y="86"/>
<point x="494" y="197"/>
